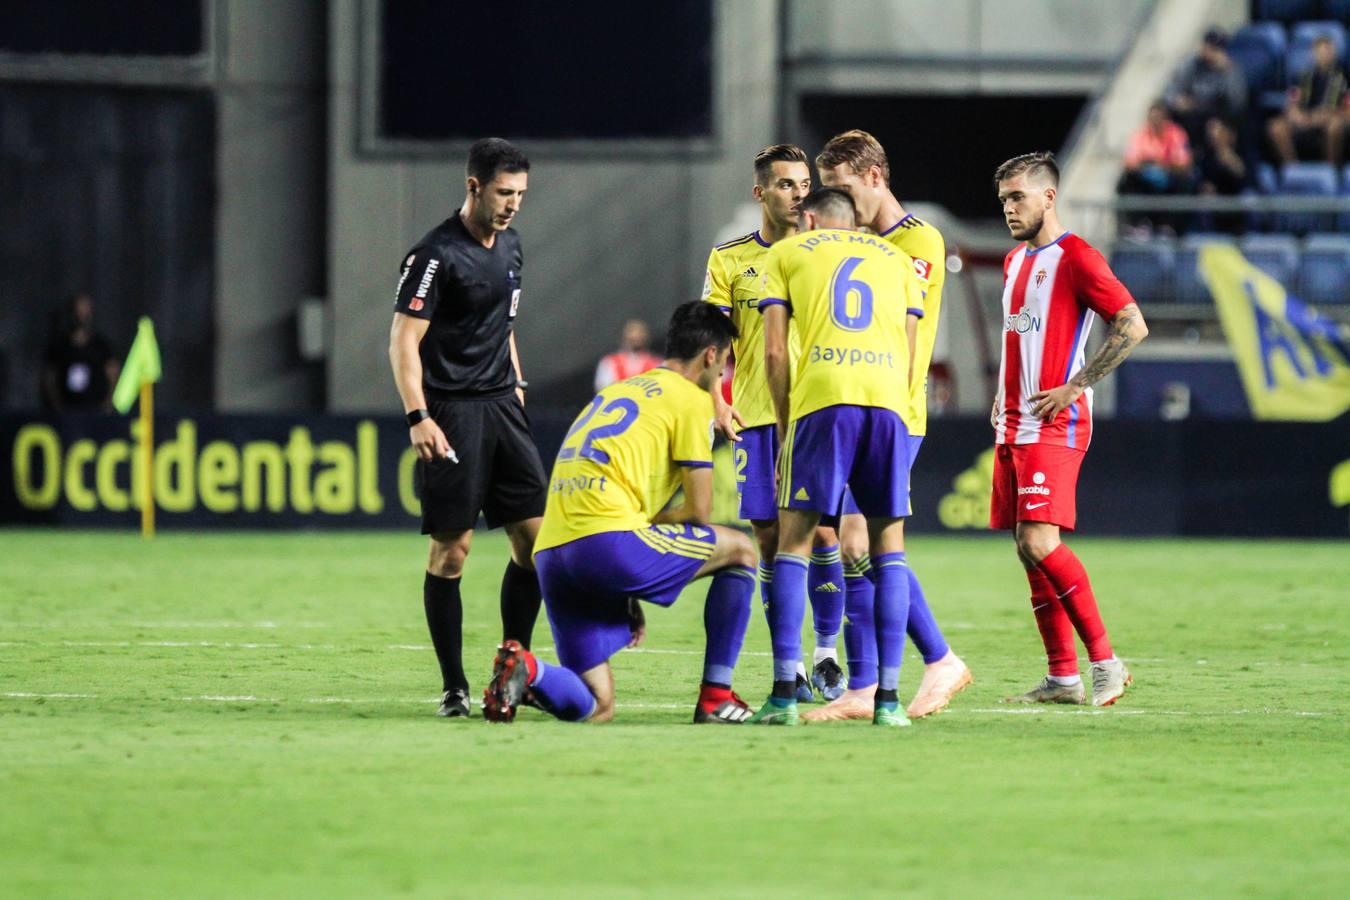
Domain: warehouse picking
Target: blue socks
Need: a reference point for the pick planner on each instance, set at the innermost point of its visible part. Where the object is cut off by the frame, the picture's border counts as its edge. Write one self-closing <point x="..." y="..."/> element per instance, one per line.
<point x="922" y="627"/>
<point x="766" y="586"/>
<point x="860" y="636"/>
<point x="892" y="615"/>
<point x="726" y="613"/>
<point x="561" y="692"/>
<point x="826" y="586"/>
<point x="787" y="607"/>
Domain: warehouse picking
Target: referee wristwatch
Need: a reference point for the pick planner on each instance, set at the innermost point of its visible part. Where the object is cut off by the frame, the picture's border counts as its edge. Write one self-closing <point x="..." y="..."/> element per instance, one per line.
<point x="416" y="415"/>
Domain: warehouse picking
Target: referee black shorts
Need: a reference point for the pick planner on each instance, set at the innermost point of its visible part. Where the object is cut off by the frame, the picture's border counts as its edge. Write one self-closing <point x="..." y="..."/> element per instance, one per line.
<point x="499" y="472"/>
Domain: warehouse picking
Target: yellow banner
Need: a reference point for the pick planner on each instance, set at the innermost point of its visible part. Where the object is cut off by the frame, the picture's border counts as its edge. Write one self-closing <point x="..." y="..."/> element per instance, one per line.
<point x="1294" y="363"/>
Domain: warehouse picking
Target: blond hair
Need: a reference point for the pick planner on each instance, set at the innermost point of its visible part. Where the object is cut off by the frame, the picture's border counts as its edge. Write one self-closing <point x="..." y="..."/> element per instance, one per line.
<point x="858" y="149"/>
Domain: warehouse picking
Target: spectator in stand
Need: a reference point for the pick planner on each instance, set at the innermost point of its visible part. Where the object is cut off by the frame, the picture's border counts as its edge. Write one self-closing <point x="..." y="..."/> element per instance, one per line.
<point x="1158" y="159"/>
<point x="1209" y="88"/>
<point x="1222" y="171"/>
<point x="1315" y="115"/>
<point x="632" y="357"/>
<point x="79" y="370"/>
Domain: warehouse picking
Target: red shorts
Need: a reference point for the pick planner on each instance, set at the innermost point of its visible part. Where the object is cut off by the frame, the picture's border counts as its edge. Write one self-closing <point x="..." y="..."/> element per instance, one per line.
<point x="1034" y="483"/>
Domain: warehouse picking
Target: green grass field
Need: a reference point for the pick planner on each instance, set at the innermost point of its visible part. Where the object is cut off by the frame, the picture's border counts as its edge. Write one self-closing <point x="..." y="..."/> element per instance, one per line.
<point x="234" y="715"/>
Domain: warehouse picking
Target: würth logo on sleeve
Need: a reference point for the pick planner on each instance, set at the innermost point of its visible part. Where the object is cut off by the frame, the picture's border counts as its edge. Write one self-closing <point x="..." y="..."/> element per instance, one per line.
<point x="424" y="285"/>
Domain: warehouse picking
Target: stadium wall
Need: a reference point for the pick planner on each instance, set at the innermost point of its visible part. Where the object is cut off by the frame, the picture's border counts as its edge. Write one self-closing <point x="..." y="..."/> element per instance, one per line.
<point x="1141" y="478"/>
<point x="606" y="236"/>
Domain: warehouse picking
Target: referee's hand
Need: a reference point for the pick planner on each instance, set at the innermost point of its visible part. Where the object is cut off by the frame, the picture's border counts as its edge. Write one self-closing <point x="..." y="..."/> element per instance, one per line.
<point x="429" y="441"/>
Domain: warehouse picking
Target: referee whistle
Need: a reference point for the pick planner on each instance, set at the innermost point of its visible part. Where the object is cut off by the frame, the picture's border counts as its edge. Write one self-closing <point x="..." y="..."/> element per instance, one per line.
<point x="450" y="455"/>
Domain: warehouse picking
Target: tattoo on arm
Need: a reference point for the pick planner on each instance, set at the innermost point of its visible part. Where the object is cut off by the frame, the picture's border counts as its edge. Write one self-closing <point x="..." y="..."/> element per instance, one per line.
<point x="1120" y="340"/>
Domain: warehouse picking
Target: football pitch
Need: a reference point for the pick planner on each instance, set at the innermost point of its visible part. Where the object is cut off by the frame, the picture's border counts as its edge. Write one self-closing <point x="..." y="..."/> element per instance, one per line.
<point x="233" y="715"/>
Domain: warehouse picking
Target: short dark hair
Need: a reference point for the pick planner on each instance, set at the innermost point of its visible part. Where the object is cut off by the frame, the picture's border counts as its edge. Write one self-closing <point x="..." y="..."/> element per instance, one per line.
<point x="765" y="159"/>
<point x="831" y="202"/>
<point x="697" y="325"/>
<point x="1041" y="163"/>
<point x="489" y="156"/>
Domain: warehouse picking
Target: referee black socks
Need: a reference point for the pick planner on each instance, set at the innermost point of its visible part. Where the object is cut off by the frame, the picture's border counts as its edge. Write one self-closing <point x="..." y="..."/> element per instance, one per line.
<point x="445" y="621"/>
<point x="520" y="603"/>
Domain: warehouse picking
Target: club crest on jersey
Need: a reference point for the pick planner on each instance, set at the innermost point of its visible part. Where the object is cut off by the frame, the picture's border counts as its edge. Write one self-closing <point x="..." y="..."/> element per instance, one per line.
<point x="1022" y="323"/>
<point x="1040" y="277"/>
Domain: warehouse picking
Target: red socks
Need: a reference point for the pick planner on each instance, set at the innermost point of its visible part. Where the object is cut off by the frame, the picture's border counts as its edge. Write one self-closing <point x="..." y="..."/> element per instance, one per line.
<point x="1053" y="622"/>
<point x="1069" y="581"/>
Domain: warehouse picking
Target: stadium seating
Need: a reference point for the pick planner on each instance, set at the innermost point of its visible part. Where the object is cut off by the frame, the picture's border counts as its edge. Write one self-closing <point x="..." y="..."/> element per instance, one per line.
<point x="1323" y="269"/>
<point x="1343" y="220"/>
<point x="1301" y="37"/>
<point x="1307" y="179"/>
<point x="1147" y="269"/>
<point x="1190" y="287"/>
<point x="1259" y="50"/>
<point x="1274" y="254"/>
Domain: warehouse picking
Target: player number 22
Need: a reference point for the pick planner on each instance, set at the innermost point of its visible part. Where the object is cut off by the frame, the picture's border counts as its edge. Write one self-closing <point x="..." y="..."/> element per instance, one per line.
<point x="842" y="288"/>
<point x="628" y="413"/>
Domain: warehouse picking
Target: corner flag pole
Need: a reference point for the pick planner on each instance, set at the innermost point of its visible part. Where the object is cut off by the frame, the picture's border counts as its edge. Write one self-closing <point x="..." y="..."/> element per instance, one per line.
<point x="147" y="459"/>
<point x="139" y="374"/>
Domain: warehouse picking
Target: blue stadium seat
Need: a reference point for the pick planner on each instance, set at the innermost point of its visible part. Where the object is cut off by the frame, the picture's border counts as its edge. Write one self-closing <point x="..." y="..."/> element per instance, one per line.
<point x="1299" y="58"/>
<point x="1259" y="50"/>
<point x="1307" y="179"/>
<point x="1286" y="10"/>
<point x="1267" y="184"/>
<point x="1274" y="254"/>
<point x="1324" y="269"/>
<point x="1190" y="287"/>
<point x="1146" y="269"/>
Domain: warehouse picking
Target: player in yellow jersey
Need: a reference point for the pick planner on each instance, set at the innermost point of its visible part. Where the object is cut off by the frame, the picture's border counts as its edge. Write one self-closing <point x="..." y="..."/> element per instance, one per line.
<point x="843" y="410"/>
<point x="733" y="284"/>
<point x="856" y="162"/>
<point x="607" y="539"/>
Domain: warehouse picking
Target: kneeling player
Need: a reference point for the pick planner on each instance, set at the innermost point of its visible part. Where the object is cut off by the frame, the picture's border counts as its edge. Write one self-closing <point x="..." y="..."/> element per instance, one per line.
<point x="606" y="541"/>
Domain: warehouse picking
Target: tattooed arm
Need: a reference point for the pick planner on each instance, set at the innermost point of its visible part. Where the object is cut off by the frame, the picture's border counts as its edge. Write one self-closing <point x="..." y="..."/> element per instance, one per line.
<point x="1127" y="330"/>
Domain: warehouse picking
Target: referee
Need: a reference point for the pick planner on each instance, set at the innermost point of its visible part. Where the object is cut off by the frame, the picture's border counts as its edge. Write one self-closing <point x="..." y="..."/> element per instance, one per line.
<point x="457" y="371"/>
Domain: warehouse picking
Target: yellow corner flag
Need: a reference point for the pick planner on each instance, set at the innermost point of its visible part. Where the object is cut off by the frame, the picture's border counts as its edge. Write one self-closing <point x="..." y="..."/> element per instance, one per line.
<point x="139" y="374"/>
<point x="141" y="367"/>
<point x="1294" y="363"/>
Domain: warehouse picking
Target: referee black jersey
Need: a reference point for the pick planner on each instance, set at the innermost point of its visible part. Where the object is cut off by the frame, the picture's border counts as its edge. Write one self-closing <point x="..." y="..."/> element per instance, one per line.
<point x="470" y="294"/>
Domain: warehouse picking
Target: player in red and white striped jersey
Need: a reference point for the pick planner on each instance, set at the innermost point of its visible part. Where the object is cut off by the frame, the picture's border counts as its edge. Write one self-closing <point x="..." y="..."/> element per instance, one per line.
<point x="1054" y="287"/>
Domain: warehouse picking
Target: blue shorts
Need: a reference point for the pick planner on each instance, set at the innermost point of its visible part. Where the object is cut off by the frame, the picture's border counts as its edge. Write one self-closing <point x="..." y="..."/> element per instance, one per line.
<point x="838" y="447"/>
<point x="755" y="456"/>
<point x="914" y="441"/>
<point x="587" y="584"/>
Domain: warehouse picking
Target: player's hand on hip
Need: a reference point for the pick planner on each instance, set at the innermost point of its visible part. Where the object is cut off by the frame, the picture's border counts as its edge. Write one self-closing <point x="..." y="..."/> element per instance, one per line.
<point x="1048" y="404"/>
<point x="729" y="421"/>
<point x="429" y="441"/>
<point x="993" y="414"/>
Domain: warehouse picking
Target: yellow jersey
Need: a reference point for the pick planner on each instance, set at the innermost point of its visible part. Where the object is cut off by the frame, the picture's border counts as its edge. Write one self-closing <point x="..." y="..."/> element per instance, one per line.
<point x="623" y="457"/>
<point x="923" y="243"/>
<point x="733" y="282"/>
<point x="847" y="293"/>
